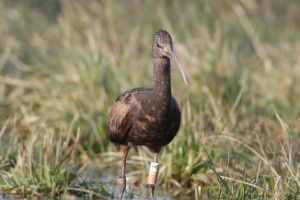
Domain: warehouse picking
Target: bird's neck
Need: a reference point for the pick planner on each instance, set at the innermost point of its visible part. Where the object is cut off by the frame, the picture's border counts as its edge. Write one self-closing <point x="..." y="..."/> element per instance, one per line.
<point x="162" y="79"/>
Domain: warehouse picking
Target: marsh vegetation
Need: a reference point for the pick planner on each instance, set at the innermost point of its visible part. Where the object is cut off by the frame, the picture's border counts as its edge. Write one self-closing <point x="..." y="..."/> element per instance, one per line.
<point x="63" y="63"/>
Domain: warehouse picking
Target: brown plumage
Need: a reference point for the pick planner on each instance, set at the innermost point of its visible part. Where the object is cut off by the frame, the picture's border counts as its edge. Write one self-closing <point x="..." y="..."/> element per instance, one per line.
<point x="148" y="116"/>
<point x="140" y="117"/>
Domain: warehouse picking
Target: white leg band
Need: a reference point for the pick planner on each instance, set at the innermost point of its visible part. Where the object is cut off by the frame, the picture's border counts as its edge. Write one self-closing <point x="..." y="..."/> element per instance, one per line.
<point x="153" y="172"/>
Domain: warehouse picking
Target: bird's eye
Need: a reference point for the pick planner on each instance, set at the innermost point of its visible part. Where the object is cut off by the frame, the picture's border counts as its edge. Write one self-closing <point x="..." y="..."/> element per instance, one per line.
<point x="159" y="45"/>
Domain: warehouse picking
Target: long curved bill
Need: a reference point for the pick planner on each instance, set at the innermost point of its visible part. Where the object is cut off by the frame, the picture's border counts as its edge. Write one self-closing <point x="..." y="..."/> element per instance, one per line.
<point x="172" y="56"/>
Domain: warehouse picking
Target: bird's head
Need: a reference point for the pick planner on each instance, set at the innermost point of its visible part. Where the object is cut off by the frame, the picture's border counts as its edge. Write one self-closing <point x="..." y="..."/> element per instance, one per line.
<point x="162" y="47"/>
<point x="162" y="44"/>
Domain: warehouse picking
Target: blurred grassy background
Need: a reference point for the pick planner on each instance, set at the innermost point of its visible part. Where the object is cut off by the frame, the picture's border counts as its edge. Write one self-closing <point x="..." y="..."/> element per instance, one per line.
<point x="63" y="63"/>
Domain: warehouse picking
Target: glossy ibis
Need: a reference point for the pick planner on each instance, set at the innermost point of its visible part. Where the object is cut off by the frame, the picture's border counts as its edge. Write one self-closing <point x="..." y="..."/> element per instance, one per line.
<point x="148" y="116"/>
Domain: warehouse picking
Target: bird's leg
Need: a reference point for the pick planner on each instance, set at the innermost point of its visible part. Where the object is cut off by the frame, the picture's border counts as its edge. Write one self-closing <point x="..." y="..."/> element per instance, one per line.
<point x="152" y="176"/>
<point x="122" y="179"/>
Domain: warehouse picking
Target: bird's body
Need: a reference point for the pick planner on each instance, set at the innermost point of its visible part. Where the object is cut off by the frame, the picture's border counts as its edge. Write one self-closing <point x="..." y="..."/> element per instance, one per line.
<point x="147" y="116"/>
<point x="139" y="117"/>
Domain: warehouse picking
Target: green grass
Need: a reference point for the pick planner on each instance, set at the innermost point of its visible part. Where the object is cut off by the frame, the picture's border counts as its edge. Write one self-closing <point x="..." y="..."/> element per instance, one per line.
<point x="63" y="64"/>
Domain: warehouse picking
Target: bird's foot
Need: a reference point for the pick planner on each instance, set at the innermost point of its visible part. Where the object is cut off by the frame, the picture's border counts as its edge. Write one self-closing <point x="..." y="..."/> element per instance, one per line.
<point x="122" y="183"/>
<point x="151" y="190"/>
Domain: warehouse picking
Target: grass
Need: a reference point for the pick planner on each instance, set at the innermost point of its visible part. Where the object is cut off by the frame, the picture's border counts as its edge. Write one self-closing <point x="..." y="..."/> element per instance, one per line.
<point x="63" y="63"/>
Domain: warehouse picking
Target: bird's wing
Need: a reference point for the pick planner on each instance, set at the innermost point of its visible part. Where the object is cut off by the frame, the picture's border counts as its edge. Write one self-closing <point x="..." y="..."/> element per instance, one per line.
<point x="122" y="114"/>
<point x="119" y="122"/>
